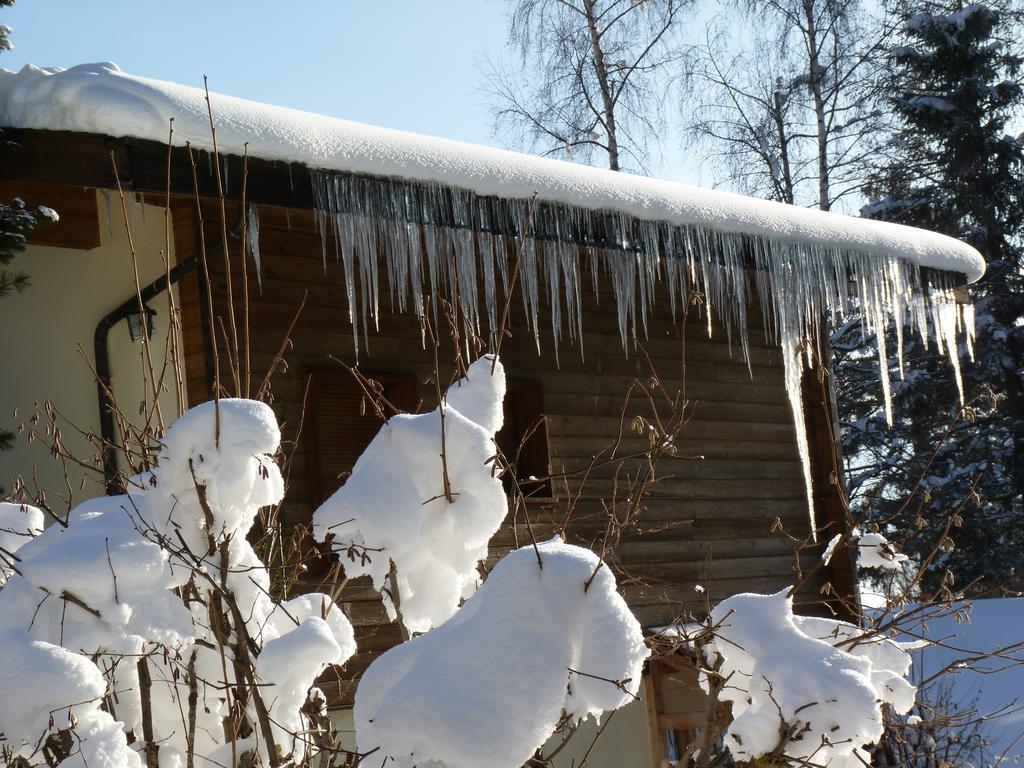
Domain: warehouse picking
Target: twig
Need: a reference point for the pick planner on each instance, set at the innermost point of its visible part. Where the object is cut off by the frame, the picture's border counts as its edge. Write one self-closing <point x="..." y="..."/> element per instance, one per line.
<point x="233" y="347"/>
<point x="152" y="749"/>
<point x="209" y="298"/>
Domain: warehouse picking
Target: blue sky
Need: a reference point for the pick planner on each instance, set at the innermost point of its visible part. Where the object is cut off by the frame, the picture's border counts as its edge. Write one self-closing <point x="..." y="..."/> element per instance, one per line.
<point x="402" y="64"/>
<point x="407" y="64"/>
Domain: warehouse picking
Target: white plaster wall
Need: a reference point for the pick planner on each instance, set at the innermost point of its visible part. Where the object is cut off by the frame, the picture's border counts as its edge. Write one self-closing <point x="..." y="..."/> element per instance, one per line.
<point x="42" y="328"/>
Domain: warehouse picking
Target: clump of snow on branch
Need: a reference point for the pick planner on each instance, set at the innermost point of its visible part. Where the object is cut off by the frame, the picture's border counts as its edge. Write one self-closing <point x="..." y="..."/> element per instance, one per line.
<point x="830" y="548"/>
<point x="18" y="524"/>
<point x="890" y="660"/>
<point x="876" y="551"/>
<point x="803" y="688"/>
<point x="306" y="633"/>
<point x="393" y="509"/>
<point x="135" y="577"/>
<point x="48" y="688"/>
<point x="488" y="687"/>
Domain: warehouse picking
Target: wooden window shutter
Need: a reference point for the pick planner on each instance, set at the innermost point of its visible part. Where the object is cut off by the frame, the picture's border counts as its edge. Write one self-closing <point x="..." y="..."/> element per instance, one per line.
<point x="341" y="427"/>
<point x="525" y="433"/>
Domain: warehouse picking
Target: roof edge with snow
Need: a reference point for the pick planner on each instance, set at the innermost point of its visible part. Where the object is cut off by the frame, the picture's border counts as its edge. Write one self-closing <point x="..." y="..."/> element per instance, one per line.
<point x="101" y="99"/>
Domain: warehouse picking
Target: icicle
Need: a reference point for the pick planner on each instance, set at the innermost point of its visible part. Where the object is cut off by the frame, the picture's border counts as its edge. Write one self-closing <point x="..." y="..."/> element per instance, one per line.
<point x="529" y="288"/>
<point x="321" y="225"/>
<point x="108" y="212"/>
<point x="462" y="242"/>
<point x="486" y="247"/>
<point x="252" y="235"/>
<point x="946" y="333"/>
<point x="792" y="360"/>
<point x="967" y="318"/>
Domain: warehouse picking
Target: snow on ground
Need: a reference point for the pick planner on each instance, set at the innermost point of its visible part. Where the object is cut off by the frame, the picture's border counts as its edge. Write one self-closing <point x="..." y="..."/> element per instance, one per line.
<point x="782" y="668"/>
<point x="487" y="687"/>
<point x="393" y="506"/>
<point x="101" y="99"/>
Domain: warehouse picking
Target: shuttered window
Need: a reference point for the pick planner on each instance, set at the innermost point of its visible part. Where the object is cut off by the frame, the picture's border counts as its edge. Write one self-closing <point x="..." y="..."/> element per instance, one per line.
<point x="524" y="438"/>
<point x="342" y="424"/>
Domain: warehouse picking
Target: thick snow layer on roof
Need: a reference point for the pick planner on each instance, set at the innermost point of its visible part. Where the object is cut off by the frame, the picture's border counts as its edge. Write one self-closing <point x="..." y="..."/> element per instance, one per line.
<point x="101" y="99"/>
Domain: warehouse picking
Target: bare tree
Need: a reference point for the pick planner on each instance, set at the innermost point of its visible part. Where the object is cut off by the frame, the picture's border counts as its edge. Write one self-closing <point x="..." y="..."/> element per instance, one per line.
<point x="746" y="119"/>
<point x="788" y="105"/>
<point x="591" y="76"/>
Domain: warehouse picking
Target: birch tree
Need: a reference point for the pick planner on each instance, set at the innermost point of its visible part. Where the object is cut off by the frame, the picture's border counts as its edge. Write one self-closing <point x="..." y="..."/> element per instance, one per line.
<point x="787" y="105"/>
<point x="590" y="77"/>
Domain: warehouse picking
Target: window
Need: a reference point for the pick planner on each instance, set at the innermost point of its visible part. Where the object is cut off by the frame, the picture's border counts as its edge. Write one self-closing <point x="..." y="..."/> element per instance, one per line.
<point x="342" y="424"/>
<point x="524" y="438"/>
<point x="676" y="707"/>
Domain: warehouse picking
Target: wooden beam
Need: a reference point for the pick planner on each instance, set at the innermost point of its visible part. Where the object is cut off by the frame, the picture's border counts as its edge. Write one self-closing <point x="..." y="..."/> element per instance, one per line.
<point x="83" y="159"/>
<point x="827" y="482"/>
<point x="681" y="721"/>
<point x="79" y="224"/>
<point x="652" y="699"/>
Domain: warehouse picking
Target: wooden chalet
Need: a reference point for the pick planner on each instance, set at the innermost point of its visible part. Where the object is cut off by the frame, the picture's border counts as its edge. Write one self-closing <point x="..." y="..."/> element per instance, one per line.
<point x="357" y="241"/>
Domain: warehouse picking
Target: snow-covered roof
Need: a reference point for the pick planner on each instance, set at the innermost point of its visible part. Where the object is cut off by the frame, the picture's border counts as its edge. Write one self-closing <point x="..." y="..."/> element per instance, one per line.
<point x="101" y="99"/>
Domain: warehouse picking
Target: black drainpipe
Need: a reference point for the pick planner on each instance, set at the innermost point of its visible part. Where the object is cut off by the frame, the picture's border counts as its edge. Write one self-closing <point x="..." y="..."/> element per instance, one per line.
<point x="108" y="451"/>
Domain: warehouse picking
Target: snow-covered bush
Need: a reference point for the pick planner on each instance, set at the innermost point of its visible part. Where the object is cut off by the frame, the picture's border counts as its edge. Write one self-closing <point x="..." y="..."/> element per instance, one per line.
<point x="425" y="507"/>
<point x="488" y="687"/>
<point x="143" y="631"/>
<point x="137" y="626"/>
<point x="803" y="690"/>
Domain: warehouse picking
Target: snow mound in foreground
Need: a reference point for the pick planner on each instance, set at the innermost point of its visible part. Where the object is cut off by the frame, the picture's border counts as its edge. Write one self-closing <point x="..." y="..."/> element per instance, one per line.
<point x="487" y="687"/>
<point x="781" y="665"/>
<point x="393" y="507"/>
<point x="47" y="688"/>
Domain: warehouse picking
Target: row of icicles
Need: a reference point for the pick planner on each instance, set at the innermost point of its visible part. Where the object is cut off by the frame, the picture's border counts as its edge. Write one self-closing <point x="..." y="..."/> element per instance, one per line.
<point x="452" y="243"/>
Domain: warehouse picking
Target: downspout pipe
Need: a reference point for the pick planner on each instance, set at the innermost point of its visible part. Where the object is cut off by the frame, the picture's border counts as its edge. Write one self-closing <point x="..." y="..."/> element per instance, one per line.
<point x="108" y="452"/>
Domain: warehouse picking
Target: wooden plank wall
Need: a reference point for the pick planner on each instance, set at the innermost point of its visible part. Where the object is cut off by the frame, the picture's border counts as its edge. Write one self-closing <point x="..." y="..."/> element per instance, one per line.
<point x="708" y="522"/>
<point x="79" y="224"/>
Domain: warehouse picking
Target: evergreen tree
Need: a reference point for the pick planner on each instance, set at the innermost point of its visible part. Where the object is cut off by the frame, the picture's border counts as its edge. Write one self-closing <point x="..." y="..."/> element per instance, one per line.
<point x="950" y="166"/>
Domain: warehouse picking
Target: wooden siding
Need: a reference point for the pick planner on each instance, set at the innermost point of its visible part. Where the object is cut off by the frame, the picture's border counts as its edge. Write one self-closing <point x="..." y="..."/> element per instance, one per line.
<point x="708" y="522"/>
<point x="79" y="224"/>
